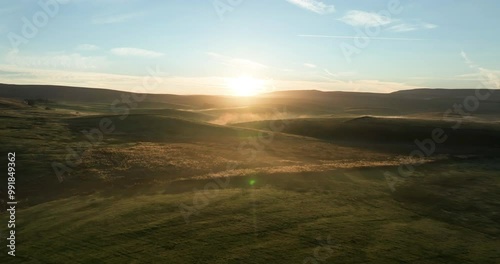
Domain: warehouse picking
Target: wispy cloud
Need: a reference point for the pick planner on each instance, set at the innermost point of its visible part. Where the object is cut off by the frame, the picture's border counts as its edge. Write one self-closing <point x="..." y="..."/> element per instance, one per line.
<point x="87" y="47"/>
<point x="56" y="60"/>
<point x="314" y="6"/>
<point x="405" y="27"/>
<point x="236" y="62"/>
<point x="8" y="10"/>
<point x="117" y="18"/>
<point x="361" y="18"/>
<point x="310" y="65"/>
<point x="489" y="78"/>
<point x="357" y="37"/>
<point x="358" y="18"/>
<point x="460" y="77"/>
<point x="467" y="60"/>
<point x="136" y="52"/>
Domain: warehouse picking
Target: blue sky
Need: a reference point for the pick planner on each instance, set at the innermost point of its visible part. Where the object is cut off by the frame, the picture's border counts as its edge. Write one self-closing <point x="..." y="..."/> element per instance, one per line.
<point x="195" y="47"/>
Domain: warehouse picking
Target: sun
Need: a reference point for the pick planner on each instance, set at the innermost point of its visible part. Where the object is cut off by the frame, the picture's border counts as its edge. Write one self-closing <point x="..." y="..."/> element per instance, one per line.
<point x="245" y="86"/>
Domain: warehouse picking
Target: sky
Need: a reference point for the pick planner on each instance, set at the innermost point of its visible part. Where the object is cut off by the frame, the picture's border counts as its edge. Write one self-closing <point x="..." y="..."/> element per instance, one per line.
<point x="211" y="46"/>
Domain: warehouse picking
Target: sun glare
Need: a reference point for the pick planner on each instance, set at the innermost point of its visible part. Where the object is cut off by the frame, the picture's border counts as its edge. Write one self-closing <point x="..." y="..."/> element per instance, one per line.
<point x="245" y="86"/>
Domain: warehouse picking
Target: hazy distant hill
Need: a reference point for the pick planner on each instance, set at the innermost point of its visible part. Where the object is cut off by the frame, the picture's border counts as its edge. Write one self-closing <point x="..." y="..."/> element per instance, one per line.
<point x="309" y="101"/>
<point x="95" y="95"/>
<point x="441" y="93"/>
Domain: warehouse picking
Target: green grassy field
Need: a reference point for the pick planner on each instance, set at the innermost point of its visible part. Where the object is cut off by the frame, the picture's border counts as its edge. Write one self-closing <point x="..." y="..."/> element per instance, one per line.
<point x="181" y="186"/>
<point x="278" y="219"/>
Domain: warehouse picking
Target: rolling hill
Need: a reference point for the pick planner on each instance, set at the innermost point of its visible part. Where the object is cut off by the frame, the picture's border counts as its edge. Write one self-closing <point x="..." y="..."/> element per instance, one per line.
<point x="278" y="178"/>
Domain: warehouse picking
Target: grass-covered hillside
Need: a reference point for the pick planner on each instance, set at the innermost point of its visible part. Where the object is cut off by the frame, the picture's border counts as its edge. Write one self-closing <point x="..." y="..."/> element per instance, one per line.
<point x="180" y="179"/>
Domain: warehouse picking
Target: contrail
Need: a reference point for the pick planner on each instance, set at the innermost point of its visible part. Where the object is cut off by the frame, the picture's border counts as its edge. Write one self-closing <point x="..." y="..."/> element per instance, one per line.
<point x="351" y="37"/>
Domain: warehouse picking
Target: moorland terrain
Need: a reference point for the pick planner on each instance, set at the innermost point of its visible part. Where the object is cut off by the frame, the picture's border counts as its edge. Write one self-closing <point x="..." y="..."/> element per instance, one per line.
<point x="105" y="176"/>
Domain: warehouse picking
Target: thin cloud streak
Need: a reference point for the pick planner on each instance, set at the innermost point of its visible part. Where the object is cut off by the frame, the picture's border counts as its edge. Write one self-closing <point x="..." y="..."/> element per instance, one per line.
<point x="314" y="6"/>
<point x="126" y="51"/>
<point x="358" y="18"/>
<point x="87" y="47"/>
<point x="354" y="37"/>
<point x="112" y="19"/>
<point x="411" y="27"/>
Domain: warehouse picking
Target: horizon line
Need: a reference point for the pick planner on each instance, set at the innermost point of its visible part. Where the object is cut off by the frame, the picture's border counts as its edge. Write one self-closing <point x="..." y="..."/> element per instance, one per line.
<point x="326" y="91"/>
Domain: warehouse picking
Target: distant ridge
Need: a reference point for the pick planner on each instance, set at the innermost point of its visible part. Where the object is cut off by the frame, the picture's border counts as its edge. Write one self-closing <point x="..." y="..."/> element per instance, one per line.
<point x="96" y="95"/>
<point x="440" y="92"/>
<point x="92" y="94"/>
<point x="400" y="102"/>
<point x="362" y="118"/>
